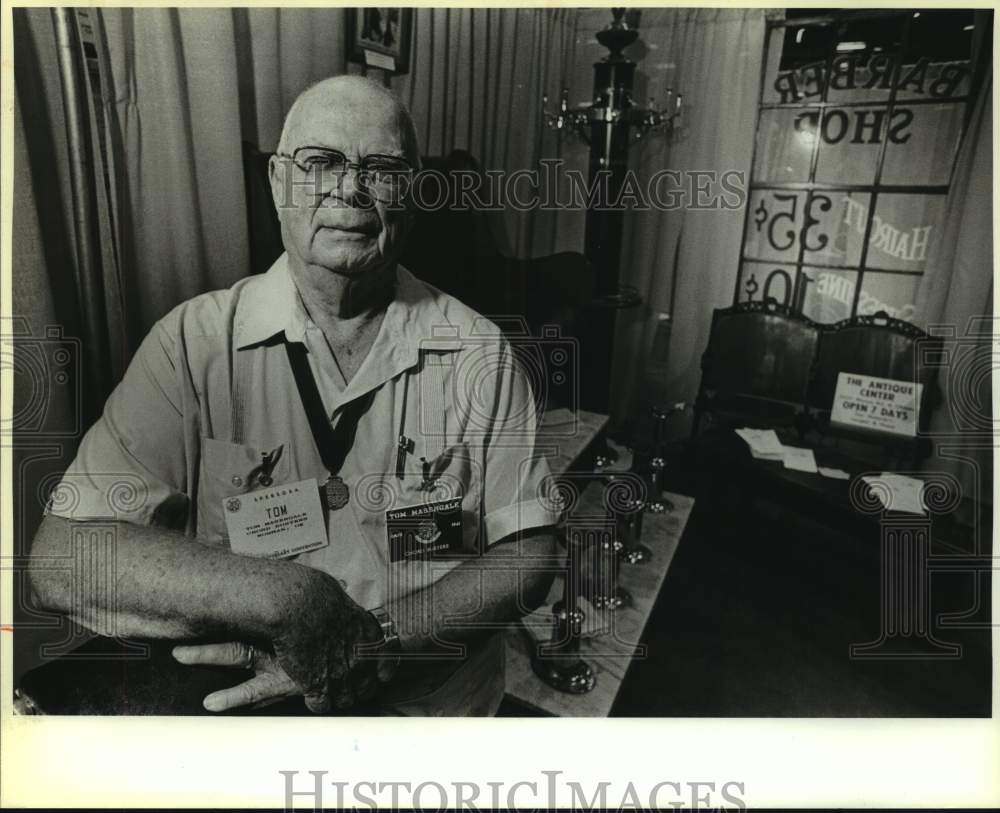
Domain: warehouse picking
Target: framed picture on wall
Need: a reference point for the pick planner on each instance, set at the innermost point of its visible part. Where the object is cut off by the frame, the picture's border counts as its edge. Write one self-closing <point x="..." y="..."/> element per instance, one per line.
<point x="380" y="37"/>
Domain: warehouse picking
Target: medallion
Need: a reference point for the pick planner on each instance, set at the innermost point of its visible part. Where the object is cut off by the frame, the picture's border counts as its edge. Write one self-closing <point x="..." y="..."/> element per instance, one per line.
<point x="336" y="492"/>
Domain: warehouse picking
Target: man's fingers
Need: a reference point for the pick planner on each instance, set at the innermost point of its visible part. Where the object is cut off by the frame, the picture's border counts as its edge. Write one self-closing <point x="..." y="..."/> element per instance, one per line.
<point x="232" y="653"/>
<point x="255" y="690"/>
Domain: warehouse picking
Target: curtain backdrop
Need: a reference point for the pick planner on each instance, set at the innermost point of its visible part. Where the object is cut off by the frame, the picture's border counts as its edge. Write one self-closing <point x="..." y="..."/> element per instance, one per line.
<point x="955" y="286"/>
<point x="184" y="88"/>
<point x="685" y="261"/>
<point x="43" y="287"/>
<point x="476" y="83"/>
<point x="956" y="297"/>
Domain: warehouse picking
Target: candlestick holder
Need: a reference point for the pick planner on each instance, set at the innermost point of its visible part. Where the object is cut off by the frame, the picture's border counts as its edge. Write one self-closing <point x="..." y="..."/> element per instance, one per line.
<point x="633" y="552"/>
<point x="658" y="504"/>
<point x="601" y="561"/>
<point x="656" y="467"/>
<point x="558" y="663"/>
<point x="625" y="497"/>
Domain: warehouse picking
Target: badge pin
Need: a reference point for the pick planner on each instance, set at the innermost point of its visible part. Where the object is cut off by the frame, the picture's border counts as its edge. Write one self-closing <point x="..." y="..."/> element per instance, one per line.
<point x="267" y="464"/>
<point x="427" y="484"/>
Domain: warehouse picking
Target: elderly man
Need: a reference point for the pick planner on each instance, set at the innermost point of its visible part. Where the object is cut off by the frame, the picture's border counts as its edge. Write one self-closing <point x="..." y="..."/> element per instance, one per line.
<point x="331" y="462"/>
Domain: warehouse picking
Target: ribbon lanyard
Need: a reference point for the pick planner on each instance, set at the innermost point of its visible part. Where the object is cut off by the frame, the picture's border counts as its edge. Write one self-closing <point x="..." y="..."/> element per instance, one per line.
<point x="333" y="444"/>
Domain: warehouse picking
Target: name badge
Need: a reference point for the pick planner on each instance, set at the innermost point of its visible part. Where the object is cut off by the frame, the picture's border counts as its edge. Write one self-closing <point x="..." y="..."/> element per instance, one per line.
<point x="426" y="531"/>
<point x="276" y="522"/>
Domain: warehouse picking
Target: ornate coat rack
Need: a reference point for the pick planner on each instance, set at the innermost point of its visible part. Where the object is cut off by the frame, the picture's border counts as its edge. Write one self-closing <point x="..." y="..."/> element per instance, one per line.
<point x="610" y="124"/>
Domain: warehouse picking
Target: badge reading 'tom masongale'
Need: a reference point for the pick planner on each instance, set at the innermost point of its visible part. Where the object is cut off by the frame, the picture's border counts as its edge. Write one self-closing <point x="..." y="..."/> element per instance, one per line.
<point x="427" y="530"/>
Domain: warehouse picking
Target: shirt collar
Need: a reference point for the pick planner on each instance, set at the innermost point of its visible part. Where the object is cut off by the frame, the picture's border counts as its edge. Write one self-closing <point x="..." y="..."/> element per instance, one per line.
<point x="414" y="322"/>
<point x="268" y="306"/>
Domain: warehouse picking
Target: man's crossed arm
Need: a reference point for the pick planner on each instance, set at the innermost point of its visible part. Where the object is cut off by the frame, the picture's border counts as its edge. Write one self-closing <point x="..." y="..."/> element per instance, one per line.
<point x="310" y="632"/>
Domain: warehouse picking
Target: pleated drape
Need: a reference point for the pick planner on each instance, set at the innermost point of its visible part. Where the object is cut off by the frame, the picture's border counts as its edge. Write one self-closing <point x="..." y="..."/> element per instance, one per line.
<point x="955" y="299"/>
<point x="186" y="86"/>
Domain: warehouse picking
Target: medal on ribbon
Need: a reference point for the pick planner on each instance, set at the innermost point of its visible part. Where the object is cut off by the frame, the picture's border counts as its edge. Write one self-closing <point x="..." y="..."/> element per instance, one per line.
<point x="336" y="493"/>
<point x="332" y="444"/>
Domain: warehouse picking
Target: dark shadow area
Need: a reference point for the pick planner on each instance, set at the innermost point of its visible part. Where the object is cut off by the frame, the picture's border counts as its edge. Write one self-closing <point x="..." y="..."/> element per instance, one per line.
<point x="757" y="617"/>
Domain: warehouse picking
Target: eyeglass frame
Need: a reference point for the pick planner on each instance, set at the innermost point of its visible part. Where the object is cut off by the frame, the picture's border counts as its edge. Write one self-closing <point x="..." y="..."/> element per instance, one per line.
<point x="359" y="166"/>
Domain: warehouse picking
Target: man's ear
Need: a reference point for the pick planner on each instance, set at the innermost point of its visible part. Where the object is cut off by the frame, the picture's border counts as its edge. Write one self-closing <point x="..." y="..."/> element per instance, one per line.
<point x="280" y="190"/>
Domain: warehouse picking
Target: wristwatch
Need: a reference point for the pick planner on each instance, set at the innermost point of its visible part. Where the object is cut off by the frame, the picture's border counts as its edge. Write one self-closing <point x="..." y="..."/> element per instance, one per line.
<point x="390" y="646"/>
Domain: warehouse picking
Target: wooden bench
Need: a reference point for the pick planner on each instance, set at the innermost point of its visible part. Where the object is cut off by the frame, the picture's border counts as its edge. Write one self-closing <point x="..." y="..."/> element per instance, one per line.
<point x="768" y="367"/>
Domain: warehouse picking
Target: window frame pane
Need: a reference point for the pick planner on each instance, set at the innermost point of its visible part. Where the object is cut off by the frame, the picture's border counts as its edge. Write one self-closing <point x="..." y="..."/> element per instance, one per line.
<point x="775" y="65"/>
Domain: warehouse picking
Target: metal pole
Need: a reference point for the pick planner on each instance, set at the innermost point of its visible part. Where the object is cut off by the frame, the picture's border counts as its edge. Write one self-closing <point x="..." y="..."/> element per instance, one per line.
<point x="89" y="283"/>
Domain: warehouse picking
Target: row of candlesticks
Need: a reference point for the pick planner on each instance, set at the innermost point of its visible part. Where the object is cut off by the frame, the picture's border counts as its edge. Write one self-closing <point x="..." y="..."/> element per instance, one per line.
<point x="596" y="549"/>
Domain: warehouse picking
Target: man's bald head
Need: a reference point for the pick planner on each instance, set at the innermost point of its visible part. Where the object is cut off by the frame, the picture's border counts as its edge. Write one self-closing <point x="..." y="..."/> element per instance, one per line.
<point x="353" y="97"/>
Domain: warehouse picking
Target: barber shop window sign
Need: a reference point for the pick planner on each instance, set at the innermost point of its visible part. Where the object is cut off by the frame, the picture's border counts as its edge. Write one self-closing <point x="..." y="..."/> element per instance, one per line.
<point x="859" y="123"/>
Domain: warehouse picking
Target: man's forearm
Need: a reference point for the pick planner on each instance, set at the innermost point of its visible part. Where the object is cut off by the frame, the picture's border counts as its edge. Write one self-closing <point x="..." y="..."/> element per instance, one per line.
<point x="160" y="584"/>
<point x="479" y="596"/>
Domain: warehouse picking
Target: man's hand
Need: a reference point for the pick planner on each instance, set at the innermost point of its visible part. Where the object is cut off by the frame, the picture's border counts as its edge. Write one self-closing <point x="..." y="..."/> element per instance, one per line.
<point x="320" y="643"/>
<point x="269" y="684"/>
<point x="319" y="653"/>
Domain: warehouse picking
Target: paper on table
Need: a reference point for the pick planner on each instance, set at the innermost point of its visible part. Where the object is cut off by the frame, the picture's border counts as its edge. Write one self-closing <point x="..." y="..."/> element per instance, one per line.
<point x="904" y="493"/>
<point x="778" y="456"/>
<point x="834" y="474"/>
<point x="762" y="442"/>
<point x="799" y="459"/>
<point x="765" y="445"/>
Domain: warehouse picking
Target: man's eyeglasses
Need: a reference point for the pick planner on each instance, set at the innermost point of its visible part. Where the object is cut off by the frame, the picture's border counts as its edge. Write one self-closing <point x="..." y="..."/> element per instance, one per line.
<point x="385" y="177"/>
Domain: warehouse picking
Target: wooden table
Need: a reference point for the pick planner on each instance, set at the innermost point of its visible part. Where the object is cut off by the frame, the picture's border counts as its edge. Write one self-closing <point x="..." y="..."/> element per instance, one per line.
<point x="564" y="436"/>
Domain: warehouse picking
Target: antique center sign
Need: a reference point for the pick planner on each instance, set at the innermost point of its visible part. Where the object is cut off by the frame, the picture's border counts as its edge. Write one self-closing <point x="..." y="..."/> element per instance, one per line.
<point x="878" y="404"/>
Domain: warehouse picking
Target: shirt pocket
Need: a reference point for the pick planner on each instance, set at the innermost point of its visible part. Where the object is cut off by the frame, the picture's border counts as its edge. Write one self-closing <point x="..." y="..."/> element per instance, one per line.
<point x="227" y="470"/>
<point x="455" y="474"/>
